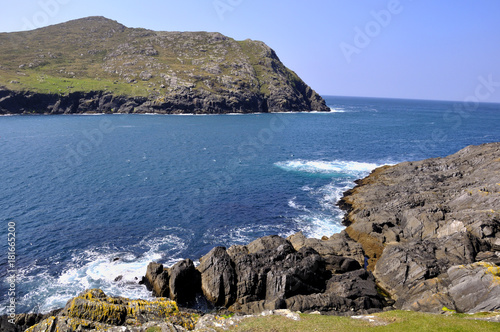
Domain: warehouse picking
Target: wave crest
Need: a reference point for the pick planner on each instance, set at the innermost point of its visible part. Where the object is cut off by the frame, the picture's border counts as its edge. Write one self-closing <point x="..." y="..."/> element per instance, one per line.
<point x="332" y="168"/>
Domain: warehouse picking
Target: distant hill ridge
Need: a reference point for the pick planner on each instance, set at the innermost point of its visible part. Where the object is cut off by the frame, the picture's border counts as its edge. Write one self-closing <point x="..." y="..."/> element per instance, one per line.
<point x="95" y="64"/>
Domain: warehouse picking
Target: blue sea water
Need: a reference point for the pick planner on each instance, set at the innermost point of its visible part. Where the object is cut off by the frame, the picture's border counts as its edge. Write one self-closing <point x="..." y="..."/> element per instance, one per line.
<point x="85" y="190"/>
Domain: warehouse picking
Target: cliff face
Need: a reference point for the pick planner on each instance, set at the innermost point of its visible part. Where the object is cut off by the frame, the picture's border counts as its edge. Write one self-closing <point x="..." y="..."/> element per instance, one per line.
<point x="98" y="65"/>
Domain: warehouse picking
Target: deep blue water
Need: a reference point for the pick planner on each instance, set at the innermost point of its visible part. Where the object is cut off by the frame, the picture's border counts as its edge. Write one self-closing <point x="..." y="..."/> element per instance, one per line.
<point x="84" y="190"/>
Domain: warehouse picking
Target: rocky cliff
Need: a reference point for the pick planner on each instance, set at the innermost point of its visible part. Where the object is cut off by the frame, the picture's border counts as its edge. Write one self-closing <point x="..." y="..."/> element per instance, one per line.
<point x="430" y="230"/>
<point x="98" y="65"/>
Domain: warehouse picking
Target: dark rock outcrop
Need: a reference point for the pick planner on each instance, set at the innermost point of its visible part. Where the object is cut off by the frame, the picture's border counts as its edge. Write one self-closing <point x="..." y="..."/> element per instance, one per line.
<point x="218" y="279"/>
<point x="184" y="282"/>
<point x="269" y="273"/>
<point x="180" y="283"/>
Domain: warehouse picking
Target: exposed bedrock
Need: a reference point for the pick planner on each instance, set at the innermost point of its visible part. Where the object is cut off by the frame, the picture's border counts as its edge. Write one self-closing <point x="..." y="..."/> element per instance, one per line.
<point x="425" y="225"/>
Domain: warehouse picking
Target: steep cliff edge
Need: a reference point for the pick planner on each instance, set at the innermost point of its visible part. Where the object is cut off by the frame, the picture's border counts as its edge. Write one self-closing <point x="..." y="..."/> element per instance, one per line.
<point x="98" y="65"/>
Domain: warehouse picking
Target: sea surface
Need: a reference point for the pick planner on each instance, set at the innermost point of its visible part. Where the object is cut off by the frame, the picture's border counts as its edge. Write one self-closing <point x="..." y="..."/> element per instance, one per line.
<point x="96" y="198"/>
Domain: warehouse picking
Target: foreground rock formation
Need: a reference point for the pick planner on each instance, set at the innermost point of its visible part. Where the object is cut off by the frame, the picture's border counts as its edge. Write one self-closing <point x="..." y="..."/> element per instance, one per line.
<point x="94" y="310"/>
<point x="427" y="233"/>
<point x="96" y="65"/>
<point x="271" y="273"/>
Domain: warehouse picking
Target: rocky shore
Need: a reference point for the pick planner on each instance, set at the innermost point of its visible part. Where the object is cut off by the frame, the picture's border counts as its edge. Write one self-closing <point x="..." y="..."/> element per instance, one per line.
<point x="421" y="236"/>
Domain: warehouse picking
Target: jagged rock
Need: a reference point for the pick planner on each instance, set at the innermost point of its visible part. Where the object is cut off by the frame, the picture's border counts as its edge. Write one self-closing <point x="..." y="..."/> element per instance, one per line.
<point x="267" y="242"/>
<point x="337" y="245"/>
<point x="272" y="274"/>
<point x="403" y="266"/>
<point x="184" y="282"/>
<point x="267" y="272"/>
<point x="340" y="264"/>
<point x="218" y="278"/>
<point x="157" y="279"/>
<point x="353" y="285"/>
<point x="331" y="303"/>
<point x="488" y="256"/>
<point x="419" y="221"/>
<point x="431" y="295"/>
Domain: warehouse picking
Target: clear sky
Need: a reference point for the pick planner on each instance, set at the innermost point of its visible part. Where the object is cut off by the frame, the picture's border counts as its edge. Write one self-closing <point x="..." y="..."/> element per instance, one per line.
<point x="422" y="49"/>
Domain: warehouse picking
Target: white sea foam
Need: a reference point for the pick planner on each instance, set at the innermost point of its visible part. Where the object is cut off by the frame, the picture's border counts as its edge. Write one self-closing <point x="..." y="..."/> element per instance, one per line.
<point x="325" y="218"/>
<point x="294" y="205"/>
<point x="117" y="273"/>
<point x="337" y="110"/>
<point x="335" y="167"/>
<point x="317" y="225"/>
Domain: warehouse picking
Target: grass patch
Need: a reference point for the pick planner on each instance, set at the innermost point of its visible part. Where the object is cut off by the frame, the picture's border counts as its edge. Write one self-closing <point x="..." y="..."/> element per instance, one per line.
<point x="396" y="321"/>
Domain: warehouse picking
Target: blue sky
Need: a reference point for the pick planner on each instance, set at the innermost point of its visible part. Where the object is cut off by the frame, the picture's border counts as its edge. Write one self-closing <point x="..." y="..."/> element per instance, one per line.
<point x="422" y="49"/>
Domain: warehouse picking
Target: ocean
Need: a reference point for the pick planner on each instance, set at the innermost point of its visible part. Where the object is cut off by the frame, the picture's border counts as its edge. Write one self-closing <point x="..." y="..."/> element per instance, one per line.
<point x="94" y="198"/>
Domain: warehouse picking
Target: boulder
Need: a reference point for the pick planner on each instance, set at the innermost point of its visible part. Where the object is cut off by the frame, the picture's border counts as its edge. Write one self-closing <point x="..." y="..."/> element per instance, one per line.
<point x="184" y="282"/>
<point x="332" y="304"/>
<point x="218" y="280"/>
<point x="157" y="279"/>
<point x="337" y="245"/>
<point x="353" y="285"/>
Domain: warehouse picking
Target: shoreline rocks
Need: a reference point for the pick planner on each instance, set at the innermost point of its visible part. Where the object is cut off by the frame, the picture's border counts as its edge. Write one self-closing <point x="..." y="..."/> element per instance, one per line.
<point x="271" y="273"/>
<point x="430" y="228"/>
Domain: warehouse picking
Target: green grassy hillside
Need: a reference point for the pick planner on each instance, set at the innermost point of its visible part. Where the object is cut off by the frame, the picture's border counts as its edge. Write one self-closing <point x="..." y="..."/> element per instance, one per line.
<point x="98" y="54"/>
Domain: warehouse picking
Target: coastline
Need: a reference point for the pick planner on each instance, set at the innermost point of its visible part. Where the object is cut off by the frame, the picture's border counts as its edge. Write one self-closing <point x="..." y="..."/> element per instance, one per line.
<point x="392" y="242"/>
